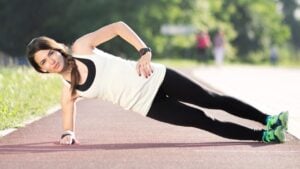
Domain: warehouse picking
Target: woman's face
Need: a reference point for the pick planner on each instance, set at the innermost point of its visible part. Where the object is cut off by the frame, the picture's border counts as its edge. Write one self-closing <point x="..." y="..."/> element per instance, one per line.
<point x="50" y="60"/>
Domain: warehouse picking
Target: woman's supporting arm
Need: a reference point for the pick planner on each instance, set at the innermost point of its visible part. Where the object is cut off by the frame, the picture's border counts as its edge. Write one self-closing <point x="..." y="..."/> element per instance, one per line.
<point x="68" y="116"/>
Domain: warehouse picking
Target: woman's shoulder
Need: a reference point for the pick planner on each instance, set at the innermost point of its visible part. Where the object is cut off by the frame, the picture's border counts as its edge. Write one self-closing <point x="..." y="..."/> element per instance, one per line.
<point x="81" y="50"/>
<point x="88" y="53"/>
<point x="79" y="47"/>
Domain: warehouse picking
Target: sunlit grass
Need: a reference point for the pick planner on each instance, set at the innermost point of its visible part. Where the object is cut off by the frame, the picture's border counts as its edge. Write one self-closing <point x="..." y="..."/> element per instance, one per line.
<point x="193" y="63"/>
<point x="25" y="94"/>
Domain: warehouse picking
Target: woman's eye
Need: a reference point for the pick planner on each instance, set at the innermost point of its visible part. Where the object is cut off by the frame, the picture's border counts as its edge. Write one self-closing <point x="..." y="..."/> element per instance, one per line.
<point x="51" y="52"/>
<point x="43" y="62"/>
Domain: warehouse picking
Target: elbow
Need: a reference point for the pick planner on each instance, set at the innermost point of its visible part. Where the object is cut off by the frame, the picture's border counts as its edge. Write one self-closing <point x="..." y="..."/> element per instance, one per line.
<point x="120" y="23"/>
<point x="120" y="27"/>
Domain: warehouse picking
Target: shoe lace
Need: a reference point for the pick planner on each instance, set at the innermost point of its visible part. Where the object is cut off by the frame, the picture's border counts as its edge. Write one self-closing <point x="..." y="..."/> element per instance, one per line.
<point x="272" y="120"/>
<point x="269" y="136"/>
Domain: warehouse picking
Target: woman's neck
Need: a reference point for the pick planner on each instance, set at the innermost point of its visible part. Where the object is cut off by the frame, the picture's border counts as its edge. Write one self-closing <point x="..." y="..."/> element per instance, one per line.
<point x="82" y="69"/>
<point x="66" y="73"/>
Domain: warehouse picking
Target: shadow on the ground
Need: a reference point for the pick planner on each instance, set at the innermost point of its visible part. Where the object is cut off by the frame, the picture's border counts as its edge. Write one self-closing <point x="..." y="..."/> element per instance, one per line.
<point x="48" y="147"/>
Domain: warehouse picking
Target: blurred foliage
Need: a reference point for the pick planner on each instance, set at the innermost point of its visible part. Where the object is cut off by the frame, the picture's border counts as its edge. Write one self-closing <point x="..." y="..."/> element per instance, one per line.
<point x="257" y="23"/>
<point x="289" y="8"/>
<point x="250" y="27"/>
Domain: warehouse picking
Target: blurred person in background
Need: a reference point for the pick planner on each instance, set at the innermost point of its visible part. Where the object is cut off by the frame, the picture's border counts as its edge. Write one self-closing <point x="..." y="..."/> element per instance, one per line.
<point x="274" y="55"/>
<point x="203" y="45"/>
<point x="219" y="48"/>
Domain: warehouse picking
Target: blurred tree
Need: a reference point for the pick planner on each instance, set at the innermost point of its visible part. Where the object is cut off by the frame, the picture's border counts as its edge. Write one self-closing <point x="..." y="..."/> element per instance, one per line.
<point x="173" y="12"/>
<point x="66" y="20"/>
<point x="22" y="20"/>
<point x="249" y="25"/>
<point x="258" y="24"/>
<point x="289" y="8"/>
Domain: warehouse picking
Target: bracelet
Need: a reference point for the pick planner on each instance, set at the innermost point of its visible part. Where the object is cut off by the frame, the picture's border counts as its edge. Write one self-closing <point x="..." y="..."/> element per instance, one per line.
<point x="69" y="133"/>
<point x="143" y="51"/>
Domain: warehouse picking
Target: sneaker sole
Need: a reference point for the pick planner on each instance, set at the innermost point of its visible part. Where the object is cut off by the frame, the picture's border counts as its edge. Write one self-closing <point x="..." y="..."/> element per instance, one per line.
<point x="279" y="133"/>
<point x="284" y="117"/>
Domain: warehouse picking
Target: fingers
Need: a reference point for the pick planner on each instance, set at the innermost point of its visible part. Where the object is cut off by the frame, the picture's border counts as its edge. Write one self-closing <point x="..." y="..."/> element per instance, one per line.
<point x="138" y="69"/>
<point x="75" y="141"/>
<point x="67" y="140"/>
<point x="148" y="71"/>
<point x="144" y="69"/>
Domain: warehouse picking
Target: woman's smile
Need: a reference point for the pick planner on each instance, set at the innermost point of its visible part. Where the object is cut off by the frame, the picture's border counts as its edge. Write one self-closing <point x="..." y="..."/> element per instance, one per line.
<point x="56" y="66"/>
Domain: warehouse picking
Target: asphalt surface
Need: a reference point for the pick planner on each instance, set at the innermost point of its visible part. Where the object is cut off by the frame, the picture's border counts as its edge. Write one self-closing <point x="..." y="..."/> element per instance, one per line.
<point x="270" y="89"/>
<point x="113" y="138"/>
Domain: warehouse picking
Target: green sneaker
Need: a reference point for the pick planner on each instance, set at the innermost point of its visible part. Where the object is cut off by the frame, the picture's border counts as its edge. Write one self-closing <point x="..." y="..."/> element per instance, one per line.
<point x="274" y="136"/>
<point x="278" y="120"/>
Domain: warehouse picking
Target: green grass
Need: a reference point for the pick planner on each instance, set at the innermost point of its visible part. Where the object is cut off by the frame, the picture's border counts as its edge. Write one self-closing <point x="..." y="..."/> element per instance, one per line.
<point x="25" y="94"/>
<point x="192" y="63"/>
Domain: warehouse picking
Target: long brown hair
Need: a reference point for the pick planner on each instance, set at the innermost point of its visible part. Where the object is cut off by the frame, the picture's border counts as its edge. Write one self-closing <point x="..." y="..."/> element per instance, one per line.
<point x="45" y="43"/>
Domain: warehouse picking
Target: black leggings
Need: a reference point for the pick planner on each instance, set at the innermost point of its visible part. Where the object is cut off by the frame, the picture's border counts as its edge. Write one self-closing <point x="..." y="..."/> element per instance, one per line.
<point x="175" y="89"/>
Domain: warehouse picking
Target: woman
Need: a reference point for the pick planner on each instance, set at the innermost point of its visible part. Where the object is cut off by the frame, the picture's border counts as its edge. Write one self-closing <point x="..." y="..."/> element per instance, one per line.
<point x="219" y="48"/>
<point x="147" y="88"/>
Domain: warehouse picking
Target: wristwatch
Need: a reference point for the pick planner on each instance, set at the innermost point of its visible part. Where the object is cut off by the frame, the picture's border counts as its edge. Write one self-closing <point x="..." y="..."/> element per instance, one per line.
<point x="143" y="51"/>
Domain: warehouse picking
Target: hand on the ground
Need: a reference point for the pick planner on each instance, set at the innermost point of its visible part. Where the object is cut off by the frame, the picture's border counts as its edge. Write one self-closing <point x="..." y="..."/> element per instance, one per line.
<point x="143" y="65"/>
<point x="68" y="138"/>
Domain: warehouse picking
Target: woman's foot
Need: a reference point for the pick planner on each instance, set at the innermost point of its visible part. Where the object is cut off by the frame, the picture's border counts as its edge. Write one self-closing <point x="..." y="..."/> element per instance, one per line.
<point x="274" y="135"/>
<point x="278" y="120"/>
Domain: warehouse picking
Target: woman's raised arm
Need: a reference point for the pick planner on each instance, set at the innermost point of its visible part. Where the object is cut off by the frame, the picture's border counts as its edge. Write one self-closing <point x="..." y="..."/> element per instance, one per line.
<point x="86" y="43"/>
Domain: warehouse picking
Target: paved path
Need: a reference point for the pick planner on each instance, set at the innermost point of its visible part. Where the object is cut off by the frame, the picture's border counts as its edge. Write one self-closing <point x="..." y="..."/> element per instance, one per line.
<point x="113" y="138"/>
<point x="270" y="89"/>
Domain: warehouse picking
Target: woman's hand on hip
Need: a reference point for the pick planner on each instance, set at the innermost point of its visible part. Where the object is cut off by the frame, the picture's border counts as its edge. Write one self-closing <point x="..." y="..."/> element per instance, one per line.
<point x="143" y="65"/>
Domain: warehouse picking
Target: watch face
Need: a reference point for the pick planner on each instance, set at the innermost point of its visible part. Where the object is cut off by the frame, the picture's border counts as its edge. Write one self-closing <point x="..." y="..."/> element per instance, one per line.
<point x="144" y="51"/>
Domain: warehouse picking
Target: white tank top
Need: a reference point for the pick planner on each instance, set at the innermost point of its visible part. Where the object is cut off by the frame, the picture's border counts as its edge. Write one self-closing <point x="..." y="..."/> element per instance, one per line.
<point x="116" y="80"/>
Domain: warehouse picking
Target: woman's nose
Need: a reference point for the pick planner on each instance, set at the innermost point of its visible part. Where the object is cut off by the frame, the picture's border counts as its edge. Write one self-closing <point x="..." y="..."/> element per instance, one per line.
<point x="51" y="61"/>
